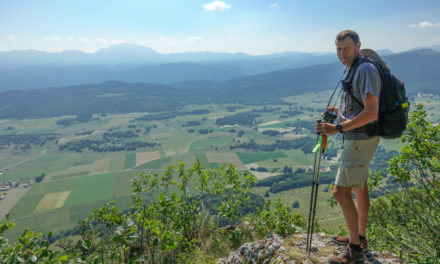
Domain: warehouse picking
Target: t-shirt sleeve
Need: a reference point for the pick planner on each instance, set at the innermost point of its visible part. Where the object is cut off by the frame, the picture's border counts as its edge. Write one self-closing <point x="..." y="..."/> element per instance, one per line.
<point x="368" y="80"/>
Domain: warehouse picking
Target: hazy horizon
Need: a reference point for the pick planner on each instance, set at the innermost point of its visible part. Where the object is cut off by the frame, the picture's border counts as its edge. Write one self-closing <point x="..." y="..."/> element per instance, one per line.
<point x="209" y="51"/>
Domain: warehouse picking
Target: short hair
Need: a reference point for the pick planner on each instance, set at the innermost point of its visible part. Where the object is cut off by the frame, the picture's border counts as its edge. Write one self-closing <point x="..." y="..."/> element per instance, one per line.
<point x="348" y="34"/>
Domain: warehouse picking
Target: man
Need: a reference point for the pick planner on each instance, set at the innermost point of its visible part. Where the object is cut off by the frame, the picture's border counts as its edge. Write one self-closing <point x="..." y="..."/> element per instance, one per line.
<point x="359" y="106"/>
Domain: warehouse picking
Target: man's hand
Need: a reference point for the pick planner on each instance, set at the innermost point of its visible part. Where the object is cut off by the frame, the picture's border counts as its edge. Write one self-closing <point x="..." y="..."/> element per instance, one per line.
<point x="367" y="115"/>
<point x="326" y="129"/>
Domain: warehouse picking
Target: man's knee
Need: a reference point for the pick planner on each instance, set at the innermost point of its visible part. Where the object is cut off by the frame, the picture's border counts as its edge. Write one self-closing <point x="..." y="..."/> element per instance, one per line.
<point x="362" y="197"/>
<point x="342" y="194"/>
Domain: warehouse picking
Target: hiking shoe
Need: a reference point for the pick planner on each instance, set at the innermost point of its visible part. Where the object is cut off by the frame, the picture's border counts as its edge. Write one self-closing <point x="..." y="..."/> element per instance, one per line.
<point x="344" y="240"/>
<point x="348" y="257"/>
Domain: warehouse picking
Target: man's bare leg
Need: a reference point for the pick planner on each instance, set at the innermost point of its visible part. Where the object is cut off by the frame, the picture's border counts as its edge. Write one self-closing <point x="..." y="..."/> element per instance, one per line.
<point x="343" y="197"/>
<point x="363" y="207"/>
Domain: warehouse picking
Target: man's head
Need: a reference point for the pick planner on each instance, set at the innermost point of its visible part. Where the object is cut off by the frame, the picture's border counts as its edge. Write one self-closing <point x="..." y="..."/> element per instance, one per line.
<point x="347" y="46"/>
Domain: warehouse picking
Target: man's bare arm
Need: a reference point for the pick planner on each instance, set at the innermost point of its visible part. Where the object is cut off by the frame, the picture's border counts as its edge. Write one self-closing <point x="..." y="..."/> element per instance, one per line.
<point x="368" y="114"/>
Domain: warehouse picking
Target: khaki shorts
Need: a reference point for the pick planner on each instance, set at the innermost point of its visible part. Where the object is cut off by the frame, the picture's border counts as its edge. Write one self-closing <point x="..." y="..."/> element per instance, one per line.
<point x="355" y="159"/>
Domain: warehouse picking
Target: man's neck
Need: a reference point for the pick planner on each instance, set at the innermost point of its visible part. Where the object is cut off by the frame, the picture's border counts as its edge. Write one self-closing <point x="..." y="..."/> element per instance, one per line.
<point x="349" y="66"/>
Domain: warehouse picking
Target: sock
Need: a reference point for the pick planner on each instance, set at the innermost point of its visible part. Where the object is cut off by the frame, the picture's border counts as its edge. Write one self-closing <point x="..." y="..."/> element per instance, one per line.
<point x="355" y="247"/>
<point x="362" y="237"/>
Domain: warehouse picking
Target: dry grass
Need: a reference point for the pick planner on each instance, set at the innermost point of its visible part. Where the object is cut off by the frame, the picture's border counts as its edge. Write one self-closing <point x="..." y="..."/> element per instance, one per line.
<point x="71" y="170"/>
<point x="101" y="166"/>
<point x="294" y="252"/>
<point x="270" y="123"/>
<point x="12" y="197"/>
<point x="279" y="129"/>
<point x="145" y="157"/>
<point x="258" y="174"/>
<point x="51" y="201"/>
<point x="226" y="157"/>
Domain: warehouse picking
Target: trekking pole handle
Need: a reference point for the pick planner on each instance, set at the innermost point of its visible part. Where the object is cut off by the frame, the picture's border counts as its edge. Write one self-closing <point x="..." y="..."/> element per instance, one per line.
<point x="318" y="121"/>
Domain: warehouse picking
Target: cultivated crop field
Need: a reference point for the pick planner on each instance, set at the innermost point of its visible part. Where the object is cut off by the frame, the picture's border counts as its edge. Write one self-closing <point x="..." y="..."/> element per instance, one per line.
<point x="51" y="201"/>
<point x="106" y="152"/>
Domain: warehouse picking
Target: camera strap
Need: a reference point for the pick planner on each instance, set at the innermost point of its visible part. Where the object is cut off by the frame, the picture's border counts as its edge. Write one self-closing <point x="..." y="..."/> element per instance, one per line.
<point x="337" y="85"/>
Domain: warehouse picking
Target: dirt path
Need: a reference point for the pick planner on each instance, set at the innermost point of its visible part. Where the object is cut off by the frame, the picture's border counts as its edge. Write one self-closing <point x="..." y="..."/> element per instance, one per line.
<point x="194" y="140"/>
<point x="12" y="197"/>
<point x="199" y="138"/>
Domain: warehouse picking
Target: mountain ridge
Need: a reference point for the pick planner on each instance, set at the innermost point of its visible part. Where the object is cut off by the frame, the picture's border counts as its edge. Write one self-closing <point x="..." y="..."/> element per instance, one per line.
<point x="417" y="69"/>
<point x="40" y="76"/>
<point x="133" y="53"/>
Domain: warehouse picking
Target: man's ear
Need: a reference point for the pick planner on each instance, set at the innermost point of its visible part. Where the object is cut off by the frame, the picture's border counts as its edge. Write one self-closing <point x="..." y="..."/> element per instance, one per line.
<point x="358" y="46"/>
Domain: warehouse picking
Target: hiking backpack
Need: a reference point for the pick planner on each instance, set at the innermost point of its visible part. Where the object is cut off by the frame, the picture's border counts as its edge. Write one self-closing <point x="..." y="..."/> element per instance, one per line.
<point x="393" y="103"/>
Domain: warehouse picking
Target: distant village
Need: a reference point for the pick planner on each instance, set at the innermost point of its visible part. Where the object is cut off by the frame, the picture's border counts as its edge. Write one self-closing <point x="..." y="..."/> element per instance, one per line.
<point x="7" y="185"/>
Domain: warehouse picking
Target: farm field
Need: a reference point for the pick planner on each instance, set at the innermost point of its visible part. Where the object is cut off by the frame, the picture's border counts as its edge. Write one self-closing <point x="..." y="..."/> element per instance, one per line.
<point x="50" y="201"/>
<point x="225" y="157"/>
<point x="77" y="180"/>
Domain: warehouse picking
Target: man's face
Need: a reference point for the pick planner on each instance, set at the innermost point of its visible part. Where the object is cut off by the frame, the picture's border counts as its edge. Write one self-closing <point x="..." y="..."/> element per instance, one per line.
<point x="347" y="51"/>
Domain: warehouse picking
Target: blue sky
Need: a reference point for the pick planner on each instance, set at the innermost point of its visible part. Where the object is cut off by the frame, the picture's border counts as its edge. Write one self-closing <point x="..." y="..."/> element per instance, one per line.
<point x="251" y="26"/>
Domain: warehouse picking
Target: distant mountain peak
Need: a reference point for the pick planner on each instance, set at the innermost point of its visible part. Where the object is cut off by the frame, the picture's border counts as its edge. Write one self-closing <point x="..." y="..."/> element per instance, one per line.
<point x="422" y="51"/>
<point x="127" y="49"/>
<point x="384" y="52"/>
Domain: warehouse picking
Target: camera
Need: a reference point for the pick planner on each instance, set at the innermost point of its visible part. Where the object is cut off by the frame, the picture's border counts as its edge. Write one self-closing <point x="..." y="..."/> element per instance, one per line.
<point x="329" y="116"/>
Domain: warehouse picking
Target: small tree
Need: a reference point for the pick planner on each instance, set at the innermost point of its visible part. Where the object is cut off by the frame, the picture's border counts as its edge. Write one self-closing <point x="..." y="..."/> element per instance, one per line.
<point x="295" y="204"/>
<point x="275" y="218"/>
<point x="31" y="247"/>
<point x="169" y="215"/>
<point x="408" y="222"/>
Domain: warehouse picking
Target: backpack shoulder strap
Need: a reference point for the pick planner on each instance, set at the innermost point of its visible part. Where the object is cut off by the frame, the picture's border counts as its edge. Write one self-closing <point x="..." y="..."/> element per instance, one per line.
<point x="348" y="81"/>
<point x="355" y="66"/>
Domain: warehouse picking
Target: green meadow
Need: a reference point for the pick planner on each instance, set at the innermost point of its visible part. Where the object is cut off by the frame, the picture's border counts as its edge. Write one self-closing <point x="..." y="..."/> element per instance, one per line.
<point x="130" y="160"/>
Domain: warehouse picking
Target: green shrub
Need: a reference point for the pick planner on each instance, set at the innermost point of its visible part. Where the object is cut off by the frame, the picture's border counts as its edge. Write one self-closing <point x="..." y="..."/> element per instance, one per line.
<point x="277" y="218"/>
<point x="170" y="216"/>
<point x="407" y="222"/>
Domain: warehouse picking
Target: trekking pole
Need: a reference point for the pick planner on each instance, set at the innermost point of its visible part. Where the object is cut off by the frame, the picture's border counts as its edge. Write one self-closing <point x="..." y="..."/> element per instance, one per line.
<point x="316" y="195"/>
<point x="314" y="192"/>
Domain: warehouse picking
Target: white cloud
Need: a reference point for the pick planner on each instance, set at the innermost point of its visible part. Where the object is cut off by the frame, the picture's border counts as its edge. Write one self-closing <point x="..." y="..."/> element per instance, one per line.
<point x="54" y="38"/>
<point x="85" y="40"/>
<point x="101" y="40"/>
<point x="105" y="41"/>
<point x="425" y="24"/>
<point x="12" y="37"/>
<point x="281" y="37"/>
<point x="169" y="41"/>
<point x="57" y="38"/>
<point x="193" y="39"/>
<point x="116" y="41"/>
<point x="275" y="5"/>
<point x="217" y="6"/>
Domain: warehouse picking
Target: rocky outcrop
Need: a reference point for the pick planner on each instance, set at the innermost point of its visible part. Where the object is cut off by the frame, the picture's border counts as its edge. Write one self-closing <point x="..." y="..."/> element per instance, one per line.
<point x="265" y="251"/>
<point x="291" y="250"/>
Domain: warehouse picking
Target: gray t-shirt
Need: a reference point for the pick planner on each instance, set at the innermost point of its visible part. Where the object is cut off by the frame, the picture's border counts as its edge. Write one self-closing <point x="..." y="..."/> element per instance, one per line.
<point x="366" y="80"/>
